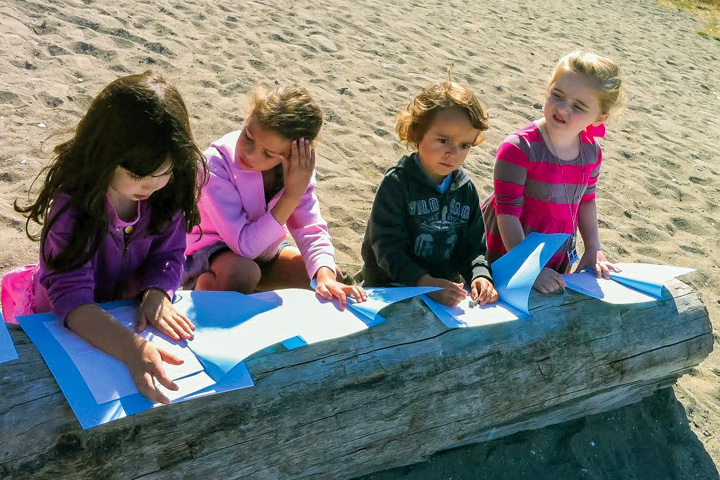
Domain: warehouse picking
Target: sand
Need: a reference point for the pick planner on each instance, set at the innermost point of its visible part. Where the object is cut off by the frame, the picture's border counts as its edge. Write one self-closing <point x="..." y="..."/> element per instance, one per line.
<point x="659" y="195"/>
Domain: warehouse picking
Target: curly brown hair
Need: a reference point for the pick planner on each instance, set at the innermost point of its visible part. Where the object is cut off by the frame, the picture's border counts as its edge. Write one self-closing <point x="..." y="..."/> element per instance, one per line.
<point x="416" y="119"/>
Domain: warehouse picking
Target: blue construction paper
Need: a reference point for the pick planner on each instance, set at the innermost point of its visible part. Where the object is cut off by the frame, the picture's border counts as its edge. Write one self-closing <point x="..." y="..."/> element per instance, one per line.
<point x="368" y="311"/>
<point x="513" y="276"/>
<point x="464" y="315"/>
<point x="515" y="272"/>
<point x="635" y="283"/>
<point x="646" y="277"/>
<point x="76" y="391"/>
<point x="381" y="297"/>
<point x="217" y="317"/>
<point x="294" y="342"/>
<point x="603" y="289"/>
<point x="7" y="347"/>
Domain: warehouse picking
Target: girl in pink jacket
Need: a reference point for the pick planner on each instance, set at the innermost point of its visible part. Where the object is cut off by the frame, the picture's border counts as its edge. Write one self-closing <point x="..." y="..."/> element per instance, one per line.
<point x="261" y="187"/>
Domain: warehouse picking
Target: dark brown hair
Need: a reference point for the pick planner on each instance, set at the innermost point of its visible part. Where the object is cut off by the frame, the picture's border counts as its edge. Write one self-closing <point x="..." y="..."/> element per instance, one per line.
<point x="137" y="122"/>
<point x="416" y="119"/>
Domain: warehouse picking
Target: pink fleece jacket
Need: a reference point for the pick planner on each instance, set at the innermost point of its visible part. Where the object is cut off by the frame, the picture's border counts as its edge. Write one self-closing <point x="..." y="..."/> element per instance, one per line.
<point x="233" y="211"/>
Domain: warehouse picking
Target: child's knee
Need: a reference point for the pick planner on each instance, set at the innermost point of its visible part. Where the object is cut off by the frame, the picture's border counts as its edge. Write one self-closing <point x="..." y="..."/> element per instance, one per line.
<point x="244" y="277"/>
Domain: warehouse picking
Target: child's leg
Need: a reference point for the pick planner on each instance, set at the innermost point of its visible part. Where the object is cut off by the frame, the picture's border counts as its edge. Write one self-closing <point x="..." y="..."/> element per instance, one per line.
<point x="231" y="272"/>
<point x="287" y="270"/>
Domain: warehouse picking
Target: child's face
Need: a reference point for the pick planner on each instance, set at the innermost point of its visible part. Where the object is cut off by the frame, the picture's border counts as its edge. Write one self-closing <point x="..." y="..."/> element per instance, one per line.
<point x="572" y="105"/>
<point x="446" y="143"/>
<point x="259" y="149"/>
<point x="128" y="186"/>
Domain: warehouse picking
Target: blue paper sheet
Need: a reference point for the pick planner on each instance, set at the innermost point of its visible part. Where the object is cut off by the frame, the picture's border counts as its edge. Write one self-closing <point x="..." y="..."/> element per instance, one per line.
<point x="515" y="272"/>
<point x="635" y="283"/>
<point x="513" y="275"/>
<point x="218" y="317"/>
<point x="76" y="391"/>
<point x="368" y="311"/>
<point x="7" y="347"/>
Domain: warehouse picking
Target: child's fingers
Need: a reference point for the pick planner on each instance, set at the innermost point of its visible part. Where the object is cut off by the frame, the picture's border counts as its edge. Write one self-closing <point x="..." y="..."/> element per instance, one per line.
<point x="323" y="291"/>
<point x="187" y="321"/>
<point x="309" y="155"/>
<point x="356" y="291"/>
<point x="492" y="297"/>
<point x="168" y="328"/>
<point x="141" y="322"/>
<point x="163" y="379"/>
<point x="168" y="357"/>
<point x="338" y="293"/>
<point x="146" y="386"/>
<point x="181" y="325"/>
<point x="294" y="153"/>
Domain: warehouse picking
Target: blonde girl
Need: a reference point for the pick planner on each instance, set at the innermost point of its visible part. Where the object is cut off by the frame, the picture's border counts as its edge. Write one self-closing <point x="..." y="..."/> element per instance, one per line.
<point x="546" y="173"/>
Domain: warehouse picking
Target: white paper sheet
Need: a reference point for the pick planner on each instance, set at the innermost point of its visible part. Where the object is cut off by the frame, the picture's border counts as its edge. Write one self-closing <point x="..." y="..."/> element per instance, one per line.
<point x="606" y="290"/>
<point x="108" y="378"/>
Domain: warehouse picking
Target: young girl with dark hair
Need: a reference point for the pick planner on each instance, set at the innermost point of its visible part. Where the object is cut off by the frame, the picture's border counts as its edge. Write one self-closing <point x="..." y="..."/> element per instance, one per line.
<point x="115" y="205"/>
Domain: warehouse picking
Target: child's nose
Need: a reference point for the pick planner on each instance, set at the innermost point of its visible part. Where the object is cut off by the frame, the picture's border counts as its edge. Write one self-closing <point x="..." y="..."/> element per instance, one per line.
<point x="564" y="106"/>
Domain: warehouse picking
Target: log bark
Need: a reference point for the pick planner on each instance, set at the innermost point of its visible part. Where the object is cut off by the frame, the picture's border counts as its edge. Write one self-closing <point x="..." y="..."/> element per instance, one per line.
<point x="383" y="398"/>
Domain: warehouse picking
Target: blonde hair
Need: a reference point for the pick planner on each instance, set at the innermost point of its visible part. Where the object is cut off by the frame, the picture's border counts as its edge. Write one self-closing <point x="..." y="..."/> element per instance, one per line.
<point x="603" y="71"/>
<point x="416" y="119"/>
<point x="287" y="110"/>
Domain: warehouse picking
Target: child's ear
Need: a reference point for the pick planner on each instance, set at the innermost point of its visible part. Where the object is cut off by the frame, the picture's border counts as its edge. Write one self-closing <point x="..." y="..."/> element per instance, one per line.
<point x="601" y="119"/>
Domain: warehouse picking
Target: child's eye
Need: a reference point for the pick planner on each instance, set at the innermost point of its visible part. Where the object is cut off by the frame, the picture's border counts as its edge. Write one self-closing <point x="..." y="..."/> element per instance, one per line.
<point x="555" y="95"/>
<point x="442" y="140"/>
<point x="465" y="146"/>
<point x="579" y="108"/>
<point x="135" y="177"/>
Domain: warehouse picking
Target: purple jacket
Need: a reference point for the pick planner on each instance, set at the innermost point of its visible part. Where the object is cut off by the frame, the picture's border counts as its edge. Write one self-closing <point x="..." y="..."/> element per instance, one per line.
<point x="124" y="266"/>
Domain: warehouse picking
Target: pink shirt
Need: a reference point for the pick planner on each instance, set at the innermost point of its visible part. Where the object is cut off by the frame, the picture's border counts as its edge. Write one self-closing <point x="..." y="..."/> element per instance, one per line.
<point x="543" y="191"/>
<point x="233" y="211"/>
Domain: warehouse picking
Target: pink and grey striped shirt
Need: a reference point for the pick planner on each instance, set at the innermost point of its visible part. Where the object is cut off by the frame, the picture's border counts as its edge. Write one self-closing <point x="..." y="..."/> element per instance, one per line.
<point x="543" y="191"/>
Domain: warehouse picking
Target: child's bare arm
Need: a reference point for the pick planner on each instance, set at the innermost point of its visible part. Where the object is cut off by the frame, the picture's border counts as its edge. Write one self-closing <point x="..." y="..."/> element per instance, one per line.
<point x="143" y="359"/>
<point x="511" y="231"/>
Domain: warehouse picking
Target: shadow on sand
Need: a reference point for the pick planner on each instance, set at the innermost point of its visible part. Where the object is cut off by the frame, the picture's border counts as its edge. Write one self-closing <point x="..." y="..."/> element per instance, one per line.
<point x="648" y="440"/>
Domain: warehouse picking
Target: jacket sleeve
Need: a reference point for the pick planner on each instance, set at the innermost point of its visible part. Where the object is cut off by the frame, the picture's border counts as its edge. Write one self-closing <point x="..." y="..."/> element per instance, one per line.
<point x="222" y="204"/>
<point x="389" y="235"/>
<point x="310" y="232"/>
<point x="164" y="264"/>
<point x="66" y="290"/>
<point x="474" y="263"/>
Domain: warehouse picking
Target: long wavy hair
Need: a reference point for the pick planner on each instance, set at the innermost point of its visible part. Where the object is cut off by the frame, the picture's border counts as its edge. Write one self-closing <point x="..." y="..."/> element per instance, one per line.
<point x="137" y="122"/>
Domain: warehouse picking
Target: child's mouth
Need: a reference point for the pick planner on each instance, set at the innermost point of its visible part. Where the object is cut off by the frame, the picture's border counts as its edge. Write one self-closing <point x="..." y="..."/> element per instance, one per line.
<point x="243" y="163"/>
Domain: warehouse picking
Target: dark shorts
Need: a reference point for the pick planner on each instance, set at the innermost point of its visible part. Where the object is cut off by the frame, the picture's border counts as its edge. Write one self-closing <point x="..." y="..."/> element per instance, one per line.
<point x="200" y="261"/>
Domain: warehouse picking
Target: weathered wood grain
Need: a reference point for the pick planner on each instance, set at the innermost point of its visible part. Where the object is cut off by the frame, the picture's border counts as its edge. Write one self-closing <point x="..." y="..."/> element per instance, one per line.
<point x="379" y="399"/>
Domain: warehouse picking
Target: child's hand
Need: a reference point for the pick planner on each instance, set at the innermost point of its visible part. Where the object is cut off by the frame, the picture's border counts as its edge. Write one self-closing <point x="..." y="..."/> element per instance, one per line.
<point x="483" y="290"/>
<point x="451" y="294"/>
<point x="157" y="310"/>
<point x="549" y="281"/>
<point x="298" y="169"/>
<point x="328" y="287"/>
<point x="147" y="366"/>
<point x="595" y="259"/>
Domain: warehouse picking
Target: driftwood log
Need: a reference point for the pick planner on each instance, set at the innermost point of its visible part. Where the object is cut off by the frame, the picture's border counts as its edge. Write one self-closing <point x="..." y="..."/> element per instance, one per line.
<point x="383" y="398"/>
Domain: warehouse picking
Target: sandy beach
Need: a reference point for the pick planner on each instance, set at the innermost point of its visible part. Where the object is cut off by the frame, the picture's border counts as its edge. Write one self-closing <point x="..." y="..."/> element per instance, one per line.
<point x="658" y="197"/>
